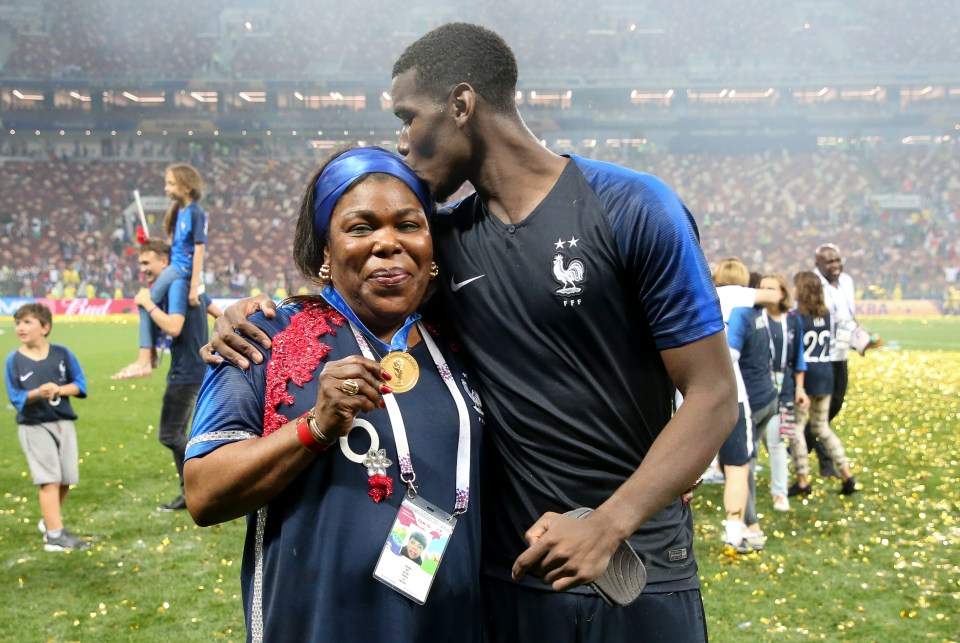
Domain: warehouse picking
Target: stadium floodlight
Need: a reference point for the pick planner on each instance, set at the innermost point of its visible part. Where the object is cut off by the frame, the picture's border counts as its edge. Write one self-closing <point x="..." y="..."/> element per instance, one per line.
<point x="80" y="97"/>
<point x="143" y="99"/>
<point x="254" y="97"/>
<point x="23" y="96"/>
<point x="205" y="97"/>
<point x="859" y="93"/>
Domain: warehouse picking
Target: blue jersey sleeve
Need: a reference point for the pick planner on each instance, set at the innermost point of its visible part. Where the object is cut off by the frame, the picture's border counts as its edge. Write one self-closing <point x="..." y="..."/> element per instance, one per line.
<point x="198" y="224"/>
<point x="230" y="405"/>
<point x="16" y="393"/>
<point x="75" y="373"/>
<point x="657" y="239"/>
<point x="229" y="408"/>
<point x="741" y="324"/>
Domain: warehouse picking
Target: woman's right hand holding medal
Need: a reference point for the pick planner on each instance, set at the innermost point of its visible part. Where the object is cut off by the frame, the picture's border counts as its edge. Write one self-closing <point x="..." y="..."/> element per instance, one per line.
<point x="347" y="387"/>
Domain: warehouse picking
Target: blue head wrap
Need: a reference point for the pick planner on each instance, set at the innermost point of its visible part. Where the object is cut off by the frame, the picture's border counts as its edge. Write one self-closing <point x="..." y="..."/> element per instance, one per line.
<point x="344" y="170"/>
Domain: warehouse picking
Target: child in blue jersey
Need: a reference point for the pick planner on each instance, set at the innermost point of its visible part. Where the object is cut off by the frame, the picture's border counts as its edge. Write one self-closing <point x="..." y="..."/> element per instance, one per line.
<point x="41" y="377"/>
<point x="185" y="223"/>
<point x="817" y="330"/>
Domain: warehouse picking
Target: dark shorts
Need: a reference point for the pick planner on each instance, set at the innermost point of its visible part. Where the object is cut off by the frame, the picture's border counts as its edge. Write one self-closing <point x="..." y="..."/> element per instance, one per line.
<point x="737" y="449"/>
<point x="515" y="613"/>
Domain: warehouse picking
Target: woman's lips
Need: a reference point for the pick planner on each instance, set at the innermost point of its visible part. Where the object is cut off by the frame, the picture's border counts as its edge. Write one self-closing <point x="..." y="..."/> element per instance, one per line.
<point x="390" y="277"/>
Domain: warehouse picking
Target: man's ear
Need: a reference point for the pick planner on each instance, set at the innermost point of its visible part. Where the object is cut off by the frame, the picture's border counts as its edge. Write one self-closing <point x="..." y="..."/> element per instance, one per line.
<point x="463" y="102"/>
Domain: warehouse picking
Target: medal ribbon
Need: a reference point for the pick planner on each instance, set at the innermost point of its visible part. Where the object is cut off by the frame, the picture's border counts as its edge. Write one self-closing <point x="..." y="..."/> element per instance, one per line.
<point x="399" y="340"/>
<point x="408" y="475"/>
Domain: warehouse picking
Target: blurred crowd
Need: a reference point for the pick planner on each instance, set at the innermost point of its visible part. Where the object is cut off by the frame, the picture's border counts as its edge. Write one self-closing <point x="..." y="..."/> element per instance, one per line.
<point x="278" y="38"/>
<point x="69" y="226"/>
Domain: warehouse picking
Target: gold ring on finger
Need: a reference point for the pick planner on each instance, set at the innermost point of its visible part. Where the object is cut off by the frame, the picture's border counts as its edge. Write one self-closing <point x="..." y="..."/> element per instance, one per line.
<point x="350" y="387"/>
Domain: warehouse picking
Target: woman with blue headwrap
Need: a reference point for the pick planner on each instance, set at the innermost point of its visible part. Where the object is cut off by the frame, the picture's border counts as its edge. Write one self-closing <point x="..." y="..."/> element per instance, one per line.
<point x="359" y="428"/>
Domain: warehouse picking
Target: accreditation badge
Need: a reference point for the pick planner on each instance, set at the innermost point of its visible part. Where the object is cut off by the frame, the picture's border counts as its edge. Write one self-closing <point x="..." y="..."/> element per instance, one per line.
<point x="843" y="334"/>
<point x="414" y="548"/>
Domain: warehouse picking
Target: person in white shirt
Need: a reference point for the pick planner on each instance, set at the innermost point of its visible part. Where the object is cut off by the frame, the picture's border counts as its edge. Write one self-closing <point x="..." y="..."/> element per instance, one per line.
<point x="838" y="293"/>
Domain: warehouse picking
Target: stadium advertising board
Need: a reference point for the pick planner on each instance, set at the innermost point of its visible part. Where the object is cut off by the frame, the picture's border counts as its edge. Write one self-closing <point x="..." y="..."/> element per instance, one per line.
<point x="84" y="307"/>
<point x="898" y="308"/>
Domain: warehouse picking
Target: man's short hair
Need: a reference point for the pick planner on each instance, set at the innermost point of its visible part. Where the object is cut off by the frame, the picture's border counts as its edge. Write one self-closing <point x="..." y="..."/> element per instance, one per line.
<point x="828" y="246"/>
<point x="38" y="311"/>
<point x="459" y="52"/>
<point x="159" y="246"/>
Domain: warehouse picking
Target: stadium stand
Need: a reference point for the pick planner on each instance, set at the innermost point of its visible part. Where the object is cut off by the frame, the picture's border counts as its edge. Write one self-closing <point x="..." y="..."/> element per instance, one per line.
<point x="820" y="151"/>
<point x="59" y="215"/>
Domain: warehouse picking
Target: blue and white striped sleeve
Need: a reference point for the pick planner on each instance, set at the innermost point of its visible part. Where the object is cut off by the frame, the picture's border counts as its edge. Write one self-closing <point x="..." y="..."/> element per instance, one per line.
<point x="229" y="408"/>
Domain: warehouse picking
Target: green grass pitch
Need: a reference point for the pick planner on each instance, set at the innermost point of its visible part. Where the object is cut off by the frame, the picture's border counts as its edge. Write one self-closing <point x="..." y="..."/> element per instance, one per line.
<point x="881" y="565"/>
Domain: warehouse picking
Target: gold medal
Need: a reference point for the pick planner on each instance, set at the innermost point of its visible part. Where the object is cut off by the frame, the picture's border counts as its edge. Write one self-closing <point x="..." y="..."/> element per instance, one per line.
<point x="404" y="371"/>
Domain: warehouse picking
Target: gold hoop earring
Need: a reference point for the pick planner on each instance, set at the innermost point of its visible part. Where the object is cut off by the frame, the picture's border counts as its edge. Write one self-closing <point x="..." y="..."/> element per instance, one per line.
<point x="434" y="270"/>
<point x="324" y="274"/>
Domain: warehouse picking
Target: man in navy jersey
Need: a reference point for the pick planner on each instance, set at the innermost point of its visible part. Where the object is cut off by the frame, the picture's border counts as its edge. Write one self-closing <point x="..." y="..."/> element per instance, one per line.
<point x="584" y="298"/>
<point x="591" y="278"/>
<point x="187" y="326"/>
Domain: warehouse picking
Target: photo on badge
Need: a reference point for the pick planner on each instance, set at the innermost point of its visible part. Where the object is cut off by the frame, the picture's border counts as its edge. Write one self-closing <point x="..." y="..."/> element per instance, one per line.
<point x="414" y="548"/>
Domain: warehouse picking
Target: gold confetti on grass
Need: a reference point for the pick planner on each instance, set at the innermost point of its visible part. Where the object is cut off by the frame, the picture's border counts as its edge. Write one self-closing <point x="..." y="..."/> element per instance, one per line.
<point x="882" y="564"/>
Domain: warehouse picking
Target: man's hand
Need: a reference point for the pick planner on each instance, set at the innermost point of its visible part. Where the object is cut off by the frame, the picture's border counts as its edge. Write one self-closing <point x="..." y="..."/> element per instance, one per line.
<point x="238" y="348"/>
<point x="565" y="552"/>
<point x="142" y="298"/>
